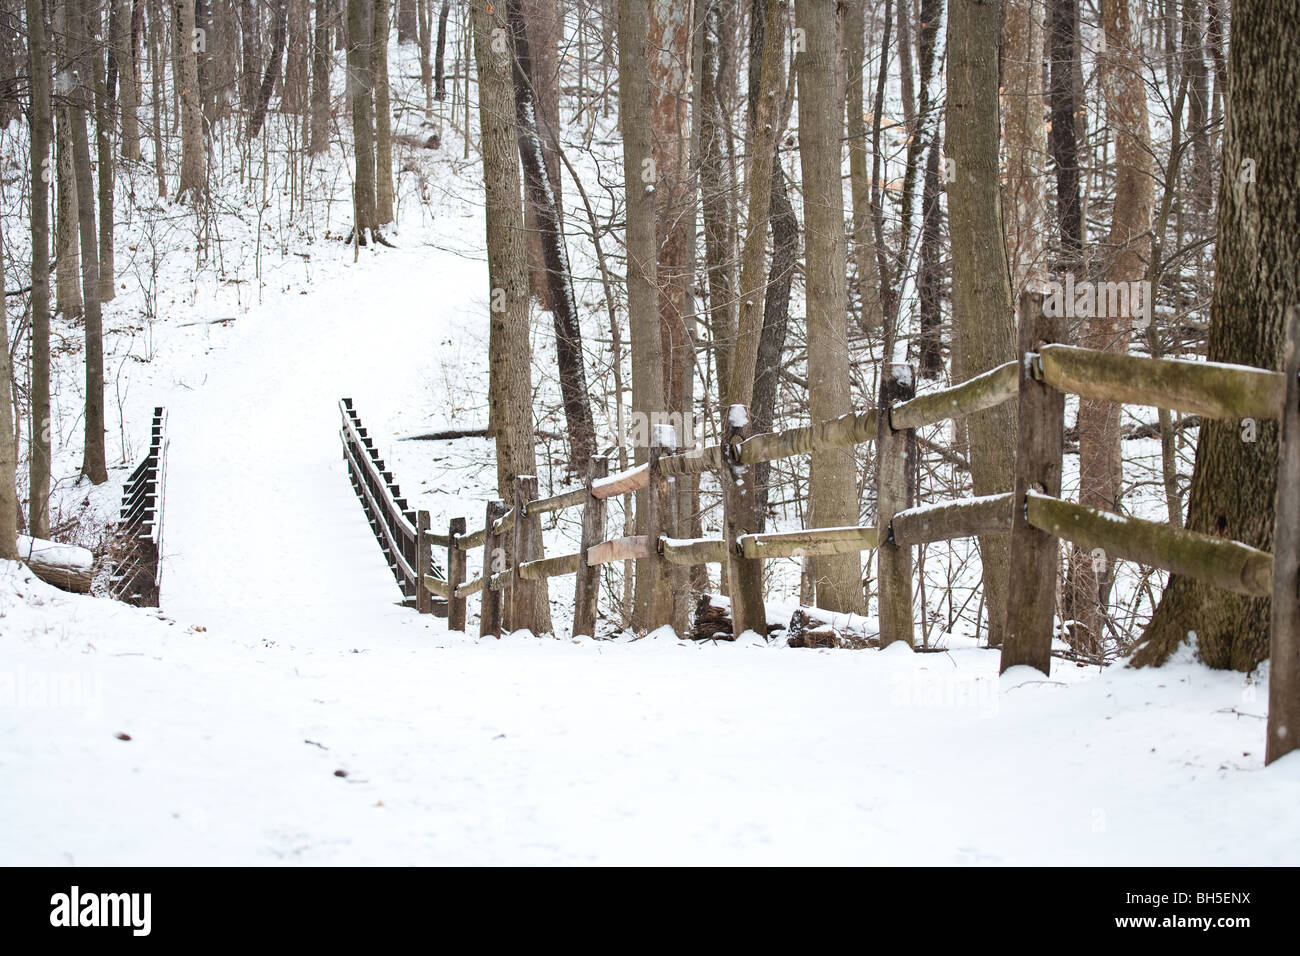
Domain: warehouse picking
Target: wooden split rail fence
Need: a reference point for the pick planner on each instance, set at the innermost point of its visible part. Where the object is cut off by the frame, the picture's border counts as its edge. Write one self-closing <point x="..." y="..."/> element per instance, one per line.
<point x="1032" y="512"/>
<point x="137" y="547"/>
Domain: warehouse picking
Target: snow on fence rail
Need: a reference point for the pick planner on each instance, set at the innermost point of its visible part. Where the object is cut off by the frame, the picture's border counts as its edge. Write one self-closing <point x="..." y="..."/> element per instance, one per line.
<point x="403" y="534"/>
<point x="137" y="540"/>
<point x="1033" y="512"/>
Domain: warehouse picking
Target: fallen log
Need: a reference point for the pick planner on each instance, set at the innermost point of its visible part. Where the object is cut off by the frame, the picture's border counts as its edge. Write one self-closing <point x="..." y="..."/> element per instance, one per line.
<point x="813" y="627"/>
<point x="712" y="621"/>
<point x="65" y="566"/>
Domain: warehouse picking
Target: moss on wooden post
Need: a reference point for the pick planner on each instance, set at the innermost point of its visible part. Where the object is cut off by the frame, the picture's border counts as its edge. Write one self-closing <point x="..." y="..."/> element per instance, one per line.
<point x="895" y="492"/>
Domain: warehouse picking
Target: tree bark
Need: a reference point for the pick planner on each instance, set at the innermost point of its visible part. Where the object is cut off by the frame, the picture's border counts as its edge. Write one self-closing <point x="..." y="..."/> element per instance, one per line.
<point x="94" y="464"/>
<point x="982" y="317"/>
<point x="568" y="331"/>
<point x="542" y="24"/>
<point x="1024" y="140"/>
<point x="440" y="84"/>
<point x="1257" y="277"/>
<point x="648" y="396"/>
<point x="9" y="510"/>
<point x="834" y="480"/>
<point x="510" y="351"/>
<point x="321" y="61"/>
<point x="407" y="25"/>
<point x="383" y="117"/>
<point x="716" y="190"/>
<point x="360" y="85"/>
<point x="272" y="72"/>
<point x="193" y="161"/>
<point x="38" y="491"/>
<point x="128" y="67"/>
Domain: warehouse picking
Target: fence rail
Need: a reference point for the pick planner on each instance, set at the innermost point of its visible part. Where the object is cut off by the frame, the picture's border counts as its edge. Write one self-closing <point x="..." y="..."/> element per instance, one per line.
<point x="1033" y="512"/>
<point x="136" y="577"/>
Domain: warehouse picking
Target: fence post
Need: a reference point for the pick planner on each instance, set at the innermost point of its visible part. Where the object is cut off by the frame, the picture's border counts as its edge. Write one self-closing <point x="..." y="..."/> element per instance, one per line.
<point x="528" y="547"/>
<point x="1040" y="443"/>
<point x="490" y="615"/>
<point x="1284" y="640"/>
<point x="423" y="599"/>
<point x="739" y="516"/>
<point x="587" y="595"/>
<point x="455" y="575"/>
<point x="895" y="492"/>
<point x="659" y="519"/>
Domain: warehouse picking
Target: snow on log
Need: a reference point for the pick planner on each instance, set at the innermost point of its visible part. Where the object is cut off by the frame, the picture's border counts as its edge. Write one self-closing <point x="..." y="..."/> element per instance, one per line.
<point x="813" y="627"/>
<point x="65" y="566"/>
<point x="693" y="551"/>
<point x="988" y="390"/>
<point x="619" y="549"/>
<point x="1210" y="389"/>
<point x="813" y="543"/>
<point x="943" y="521"/>
<point x="847" y="430"/>
<point x="1227" y="564"/>
<point x="622" y="482"/>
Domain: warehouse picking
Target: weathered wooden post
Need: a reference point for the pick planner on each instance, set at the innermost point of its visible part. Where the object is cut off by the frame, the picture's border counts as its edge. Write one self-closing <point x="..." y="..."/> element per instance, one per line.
<point x="455" y="575"/>
<point x="423" y="552"/>
<point x="587" y="596"/>
<point x="1040" y="443"/>
<point x="490" y="616"/>
<point x="528" y="547"/>
<point x="895" y="492"/>
<point x="740" y="516"/>
<point x="659" y="521"/>
<point x="1284" y="642"/>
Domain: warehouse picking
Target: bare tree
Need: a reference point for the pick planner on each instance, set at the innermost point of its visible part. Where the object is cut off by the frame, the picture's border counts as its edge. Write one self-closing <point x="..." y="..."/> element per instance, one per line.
<point x="38" y="510"/>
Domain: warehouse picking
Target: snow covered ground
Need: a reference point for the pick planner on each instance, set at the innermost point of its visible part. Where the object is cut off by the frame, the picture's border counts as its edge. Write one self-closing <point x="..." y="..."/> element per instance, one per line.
<point x="282" y="708"/>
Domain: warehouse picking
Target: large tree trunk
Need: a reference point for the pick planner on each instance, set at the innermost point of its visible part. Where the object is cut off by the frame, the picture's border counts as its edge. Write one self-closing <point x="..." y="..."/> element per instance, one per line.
<point x="251" y="59"/>
<point x="542" y="22"/>
<point x="320" y="79"/>
<point x="440" y="84"/>
<point x="104" y="118"/>
<point x="1063" y="31"/>
<point x="1257" y="277"/>
<point x="929" y="280"/>
<point x="568" y="331"/>
<point x="834" y="472"/>
<point x="67" y="249"/>
<point x="716" y="198"/>
<point x="1024" y="139"/>
<point x="9" y="510"/>
<point x="510" y="358"/>
<point x="383" y="117"/>
<point x="193" y="161"/>
<point x="359" y="89"/>
<point x="762" y="146"/>
<point x="1129" y="242"/>
<point x="38" y="513"/>
<point x="648" y="396"/>
<point x="864" y="243"/>
<point x="94" y="464"/>
<point x="128" y="67"/>
<point x="295" y="95"/>
<point x="272" y="73"/>
<point x="407" y="24"/>
<point x="984" y="333"/>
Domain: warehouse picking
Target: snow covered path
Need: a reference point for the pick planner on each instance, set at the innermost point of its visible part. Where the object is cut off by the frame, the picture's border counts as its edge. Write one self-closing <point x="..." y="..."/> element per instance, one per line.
<point x="284" y="709"/>
<point x="263" y="535"/>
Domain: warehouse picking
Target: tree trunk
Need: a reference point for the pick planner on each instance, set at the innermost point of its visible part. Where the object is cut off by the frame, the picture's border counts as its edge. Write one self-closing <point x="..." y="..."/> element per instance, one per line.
<point x="648" y="396"/>
<point x="38" y="513"/>
<point x="440" y="87"/>
<point x="715" y="200"/>
<point x="834" y="472"/>
<point x="295" y="94"/>
<point x="864" y="244"/>
<point x="1257" y="277"/>
<point x="320" y="79"/>
<point x="94" y="464"/>
<point x="542" y="20"/>
<point x="193" y="161"/>
<point x="1024" y="140"/>
<point x="360" y="86"/>
<point x="568" y="331"/>
<point x="1063" y="32"/>
<point x="267" y="87"/>
<point x="383" y="117"/>
<point x="128" y="68"/>
<point x="407" y="26"/>
<point x="67" y="249"/>
<point x="762" y="146"/>
<point x="510" y="351"/>
<point x="252" y="66"/>
<point x="982" y="318"/>
<point x="104" y="110"/>
<point x="1100" y="463"/>
<point x="9" y="510"/>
